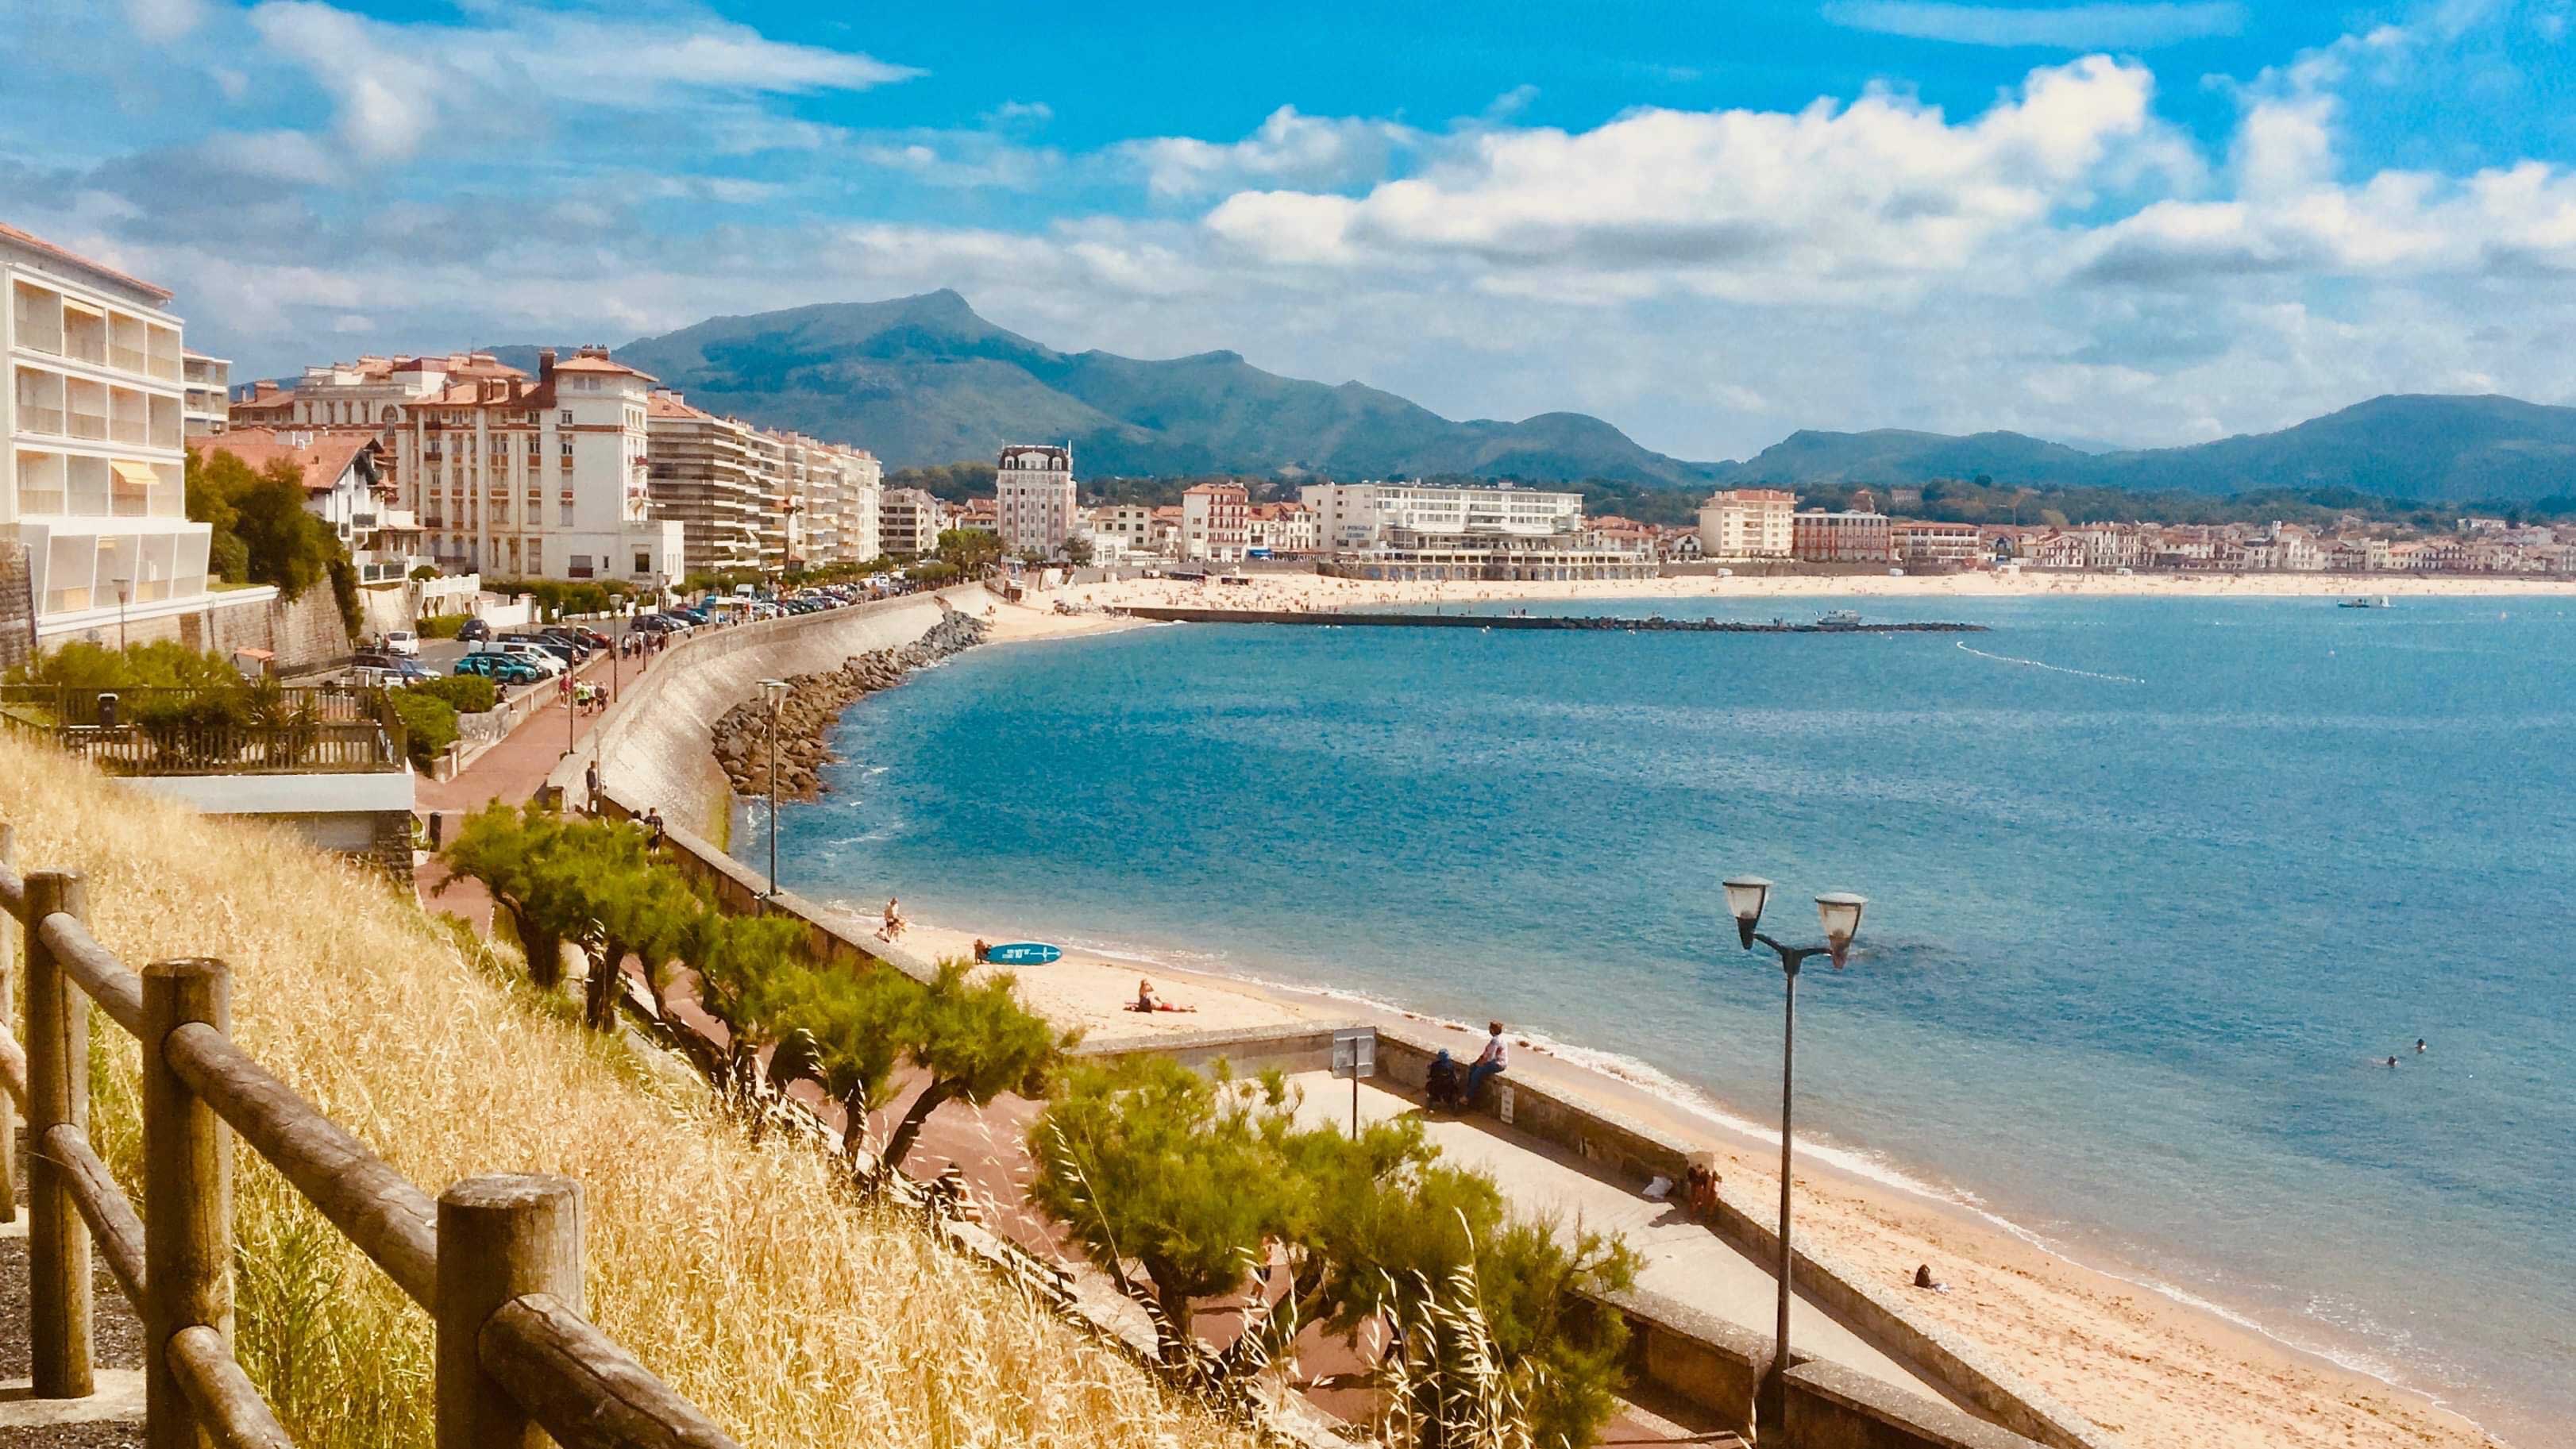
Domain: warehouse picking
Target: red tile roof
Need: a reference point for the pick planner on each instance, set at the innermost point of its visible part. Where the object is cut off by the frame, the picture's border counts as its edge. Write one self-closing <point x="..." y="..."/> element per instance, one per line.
<point x="323" y="454"/>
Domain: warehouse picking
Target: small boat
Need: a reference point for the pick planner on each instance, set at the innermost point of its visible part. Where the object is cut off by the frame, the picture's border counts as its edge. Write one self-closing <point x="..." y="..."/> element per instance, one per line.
<point x="1840" y="619"/>
<point x="2365" y="601"/>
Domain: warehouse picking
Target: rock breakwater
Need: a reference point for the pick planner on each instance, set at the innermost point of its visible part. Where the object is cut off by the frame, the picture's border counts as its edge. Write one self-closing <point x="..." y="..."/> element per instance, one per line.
<point x="815" y="701"/>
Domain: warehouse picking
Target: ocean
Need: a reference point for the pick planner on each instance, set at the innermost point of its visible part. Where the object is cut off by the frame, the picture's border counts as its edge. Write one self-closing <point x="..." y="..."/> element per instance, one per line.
<point x="2156" y="886"/>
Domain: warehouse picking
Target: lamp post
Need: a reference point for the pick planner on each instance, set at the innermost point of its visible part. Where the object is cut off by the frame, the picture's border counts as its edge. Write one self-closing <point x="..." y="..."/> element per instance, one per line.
<point x="774" y="691"/>
<point x="1839" y="912"/>
<point x="124" y="587"/>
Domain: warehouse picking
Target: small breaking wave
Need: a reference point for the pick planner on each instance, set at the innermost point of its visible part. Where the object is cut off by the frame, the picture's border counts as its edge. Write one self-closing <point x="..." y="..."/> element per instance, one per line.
<point x="2054" y="668"/>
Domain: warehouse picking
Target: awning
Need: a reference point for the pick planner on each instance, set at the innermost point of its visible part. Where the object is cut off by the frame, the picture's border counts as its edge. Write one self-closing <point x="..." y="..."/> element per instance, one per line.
<point x="137" y="475"/>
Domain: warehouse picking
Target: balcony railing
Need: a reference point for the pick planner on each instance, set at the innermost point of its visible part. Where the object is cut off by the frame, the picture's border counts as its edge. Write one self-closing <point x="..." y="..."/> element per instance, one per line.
<point x="89" y="425"/>
<point x="225" y="730"/>
<point x="40" y="420"/>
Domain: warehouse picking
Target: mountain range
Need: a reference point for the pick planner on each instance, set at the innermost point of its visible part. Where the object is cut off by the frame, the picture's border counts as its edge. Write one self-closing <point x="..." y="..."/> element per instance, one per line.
<point x="925" y="379"/>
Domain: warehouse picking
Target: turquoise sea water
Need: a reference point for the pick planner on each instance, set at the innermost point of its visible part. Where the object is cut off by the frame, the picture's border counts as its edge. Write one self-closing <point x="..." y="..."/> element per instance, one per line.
<point x="2146" y="911"/>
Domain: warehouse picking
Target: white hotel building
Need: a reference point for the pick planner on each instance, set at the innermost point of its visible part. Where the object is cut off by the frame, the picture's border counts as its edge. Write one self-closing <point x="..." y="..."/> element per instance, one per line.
<point x="1034" y="498"/>
<point x="509" y="477"/>
<point x="94" y="427"/>
<point x="1410" y="531"/>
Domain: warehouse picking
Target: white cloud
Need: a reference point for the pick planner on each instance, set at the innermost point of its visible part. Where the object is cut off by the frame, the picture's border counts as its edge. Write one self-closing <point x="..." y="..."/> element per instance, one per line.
<point x="1288" y="148"/>
<point x="163" y="21"/>
<point x="2066" y="27"/>
<point x="1734" y="202"/>
<point x="395" y="84"/>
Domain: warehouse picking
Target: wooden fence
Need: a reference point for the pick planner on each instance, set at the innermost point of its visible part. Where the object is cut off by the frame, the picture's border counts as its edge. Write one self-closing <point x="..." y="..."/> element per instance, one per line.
<point x="495" y="1261"/>
<point x="225" y="730"/>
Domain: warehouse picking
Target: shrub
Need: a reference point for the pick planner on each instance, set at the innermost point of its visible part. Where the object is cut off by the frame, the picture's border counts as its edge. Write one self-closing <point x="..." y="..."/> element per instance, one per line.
<point x="429" y="723"/>
<point x="423" y="573"/>
<point x="203" y="729"/>
<point x="441" y="626"/>
<point x="82" y="665"/>
<point x="465" y="693"/>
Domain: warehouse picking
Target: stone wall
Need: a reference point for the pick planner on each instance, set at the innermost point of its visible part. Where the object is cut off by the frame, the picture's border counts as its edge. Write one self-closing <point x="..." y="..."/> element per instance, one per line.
<point x="305" y="633"/>
<point x="653" y="744"/>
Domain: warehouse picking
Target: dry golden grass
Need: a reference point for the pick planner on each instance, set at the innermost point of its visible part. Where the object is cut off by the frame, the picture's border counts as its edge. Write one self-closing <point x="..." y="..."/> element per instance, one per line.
<point x="792" y="1315"/>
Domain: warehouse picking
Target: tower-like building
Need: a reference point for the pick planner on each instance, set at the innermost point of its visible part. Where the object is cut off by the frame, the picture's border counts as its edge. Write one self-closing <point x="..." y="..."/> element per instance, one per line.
<point x="1033" y="497"/>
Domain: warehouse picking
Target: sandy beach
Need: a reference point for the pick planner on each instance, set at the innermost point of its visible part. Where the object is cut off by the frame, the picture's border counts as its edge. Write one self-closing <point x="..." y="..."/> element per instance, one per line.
<point x="2146" y="1365"/>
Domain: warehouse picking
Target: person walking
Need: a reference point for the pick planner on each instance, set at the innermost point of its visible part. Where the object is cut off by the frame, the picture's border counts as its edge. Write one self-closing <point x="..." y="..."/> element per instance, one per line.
<point x="1489" y="1062"/>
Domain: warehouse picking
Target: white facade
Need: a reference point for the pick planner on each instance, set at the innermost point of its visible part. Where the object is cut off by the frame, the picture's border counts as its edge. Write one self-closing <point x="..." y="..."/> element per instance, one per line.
<point x="1352" y="516"/>
<point x="207" y="409"/>
<point x="1747" y="523"/>
<point x="1212" y="522"/>
<point x="1034" y="498"/>
<point x="908" y="523"/>
<point x="93" y="425"/>
<point x="1281" y="528"/>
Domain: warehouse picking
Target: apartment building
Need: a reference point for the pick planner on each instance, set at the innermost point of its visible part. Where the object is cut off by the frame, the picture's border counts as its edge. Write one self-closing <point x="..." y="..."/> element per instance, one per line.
<point x="1280" y="530"/>
<point x="1212" y="522"/>
<point x="1745" y="524"/>
<point x="1847" y="536"/>
<point x="1130" y="526"/>
<point x="93" y="423"/>
<point x="700" y="475"/>
<point x="1034" y="497"/>
<point x="838" y="492"/>
<point x="1923" y="543"/>
<point x="348" y="484"/>
<point x="908" y="523"/>
<point x="511" y="477"/>
<point x="207" y="408"/>
<point x="1363" y="515"/>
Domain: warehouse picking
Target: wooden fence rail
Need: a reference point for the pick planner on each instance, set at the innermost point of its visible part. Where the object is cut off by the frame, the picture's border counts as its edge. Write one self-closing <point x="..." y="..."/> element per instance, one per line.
<point x="496" y="1261"/>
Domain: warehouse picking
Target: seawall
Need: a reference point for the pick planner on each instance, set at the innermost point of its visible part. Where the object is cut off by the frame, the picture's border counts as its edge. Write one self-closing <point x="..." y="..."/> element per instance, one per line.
<point x="655" y="746"/>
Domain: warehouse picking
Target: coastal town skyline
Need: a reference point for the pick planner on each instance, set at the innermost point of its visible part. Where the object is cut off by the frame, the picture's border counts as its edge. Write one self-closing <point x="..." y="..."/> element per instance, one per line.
<point x="2151" y="224"/>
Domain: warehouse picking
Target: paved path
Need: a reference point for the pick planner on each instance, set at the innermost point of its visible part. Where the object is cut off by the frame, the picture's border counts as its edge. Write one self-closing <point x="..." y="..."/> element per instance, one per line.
<point x="1684" y="1261"/>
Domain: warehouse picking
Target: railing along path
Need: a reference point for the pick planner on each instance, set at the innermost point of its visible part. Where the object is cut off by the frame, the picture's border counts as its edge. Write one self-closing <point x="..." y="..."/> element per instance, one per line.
<point x="496" y="1261"/>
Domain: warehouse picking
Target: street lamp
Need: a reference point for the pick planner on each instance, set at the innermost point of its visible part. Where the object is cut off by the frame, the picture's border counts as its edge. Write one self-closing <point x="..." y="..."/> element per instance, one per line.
<point x="124" y="587"/>
<point x="774" y="691"/>
<point x="1839" y="912"/>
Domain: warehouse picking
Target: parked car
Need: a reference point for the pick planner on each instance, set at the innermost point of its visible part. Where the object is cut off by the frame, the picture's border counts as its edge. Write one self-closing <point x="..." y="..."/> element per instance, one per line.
<point x="526" y="653"/>
<point x="571" y="639"/>
<point x="555" y="647"/>
<point x="473" y="631"/>
<point x="402" y="641"/>
<point x="588" y="635"/>
<point x="500" y="668"/>
<point x="404" y="669"/>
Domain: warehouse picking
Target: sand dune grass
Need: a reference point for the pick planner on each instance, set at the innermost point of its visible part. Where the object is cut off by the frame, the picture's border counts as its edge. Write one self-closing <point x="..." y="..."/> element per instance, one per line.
<point x="793" y="1315"/>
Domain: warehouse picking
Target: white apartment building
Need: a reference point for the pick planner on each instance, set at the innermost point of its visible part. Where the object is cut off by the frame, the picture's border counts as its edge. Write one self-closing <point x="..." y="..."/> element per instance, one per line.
<point x="511" y="478"/>
<point x="782" y="529"/>
<point x="700" y="474"/>
<point x="208" y="408"/>
<point x="1130" y="524"/>
<point x="1741" y="524"/>
<point x="93" y="424"/>
<point x="1281" y="529"/>
<point x="1362" y="515"/>
<point x="348" y="484"/>
<point x="908" y="523"/>
<point x="838" y="493"/>
<point x="1212" y="522"/>
<point x="1034" y="497"/>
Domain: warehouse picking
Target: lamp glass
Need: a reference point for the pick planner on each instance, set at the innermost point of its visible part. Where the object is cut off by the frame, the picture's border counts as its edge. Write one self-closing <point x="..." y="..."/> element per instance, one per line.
<point x="1840" y="913"/>
<point x="775" y="689"/>
<point x="1745" y="895"/>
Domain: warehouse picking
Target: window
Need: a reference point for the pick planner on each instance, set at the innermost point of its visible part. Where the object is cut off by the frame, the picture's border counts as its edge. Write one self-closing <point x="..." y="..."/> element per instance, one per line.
<point x="564" y="417"/>
<point x="567" y="448"/>
<point x="643" y="563"/>
<point x="566" y="515"/>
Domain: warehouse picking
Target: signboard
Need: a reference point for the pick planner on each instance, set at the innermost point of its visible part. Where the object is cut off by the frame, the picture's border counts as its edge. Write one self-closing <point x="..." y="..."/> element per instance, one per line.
<point x="1022" y="953"/>
<point x="1355" y="1053"/>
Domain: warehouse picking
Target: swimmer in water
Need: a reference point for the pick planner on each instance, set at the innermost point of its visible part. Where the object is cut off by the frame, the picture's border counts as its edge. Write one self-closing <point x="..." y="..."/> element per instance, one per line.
<point x="2392" y="1061"/>
<point x="2419" y="1046"/>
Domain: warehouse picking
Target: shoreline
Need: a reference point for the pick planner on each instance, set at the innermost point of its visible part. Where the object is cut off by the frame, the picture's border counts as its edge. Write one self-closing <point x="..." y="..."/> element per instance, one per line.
<point x="2111" y="1339"/>
<point x="2208" y="1362"/>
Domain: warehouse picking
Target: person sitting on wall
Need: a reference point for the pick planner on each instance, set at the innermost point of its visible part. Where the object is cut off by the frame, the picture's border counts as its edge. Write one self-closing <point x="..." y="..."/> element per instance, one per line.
<point x="1489" y="1062"/>
<point x="1440" y="1084"/>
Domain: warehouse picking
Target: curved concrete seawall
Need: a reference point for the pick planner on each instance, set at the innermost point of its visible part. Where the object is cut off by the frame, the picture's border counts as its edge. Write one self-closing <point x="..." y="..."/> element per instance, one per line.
<point x="654" y="746"/>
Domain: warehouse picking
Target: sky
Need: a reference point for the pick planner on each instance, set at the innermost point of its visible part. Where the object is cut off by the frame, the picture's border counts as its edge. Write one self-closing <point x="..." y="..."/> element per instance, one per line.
<point x="1711" y="224"/>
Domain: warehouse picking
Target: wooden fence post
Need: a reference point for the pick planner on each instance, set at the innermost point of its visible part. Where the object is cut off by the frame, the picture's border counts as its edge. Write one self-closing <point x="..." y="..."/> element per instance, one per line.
<point x="58" y="1271"/>
<point x="8" y="1109"/>
<point x="187" y="1195"/>
<point x="499" y="1238"/>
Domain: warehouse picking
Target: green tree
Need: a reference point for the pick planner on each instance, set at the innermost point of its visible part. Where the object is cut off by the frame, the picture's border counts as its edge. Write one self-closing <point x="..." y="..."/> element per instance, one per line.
<point x="735" y="959"/>
<point x="1077" y="550"/>
<point x="843" y="1031"/>
<point x="429" y="725"/>
<point x="531" y="863"/>
<point x="970" y="549"/>
<point x="211" y="481"/>
<point x="977" y="1041"/>
<point x="639" y="907"/>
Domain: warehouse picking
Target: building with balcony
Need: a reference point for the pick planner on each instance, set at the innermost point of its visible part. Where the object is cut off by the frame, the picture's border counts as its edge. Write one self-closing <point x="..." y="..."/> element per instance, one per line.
<point x="509" y="476"/>
<point x="1847" y="536"/>
<point x="1034" y="498"/>
<point x="702" y="476"/>
<point x="908" y="523"/>
<point x="1280" y="530"/>
<point x="348" y="485"/>
<point x="1409" y="555"/>
<point x="93" y="424"/>
<point x="1924" y="543"/>
<point x="1741" y="525"/>
<point x="207" y="408"/>
<point x="1212" y="522"/>
<point x="1363" y="515"/>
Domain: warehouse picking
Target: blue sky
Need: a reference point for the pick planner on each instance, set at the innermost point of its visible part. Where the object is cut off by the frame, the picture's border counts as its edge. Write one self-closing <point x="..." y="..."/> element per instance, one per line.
<point x="2118" y="222"/>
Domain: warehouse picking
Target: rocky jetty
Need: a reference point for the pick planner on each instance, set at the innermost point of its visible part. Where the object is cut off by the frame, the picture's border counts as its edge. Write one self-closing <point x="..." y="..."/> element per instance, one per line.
<point x="814" y="702"/>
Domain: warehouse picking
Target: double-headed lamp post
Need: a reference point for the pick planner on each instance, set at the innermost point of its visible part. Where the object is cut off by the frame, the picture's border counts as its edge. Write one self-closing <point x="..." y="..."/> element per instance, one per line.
<point x="1840" y="913"/>
<point x="775" y="692"/>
